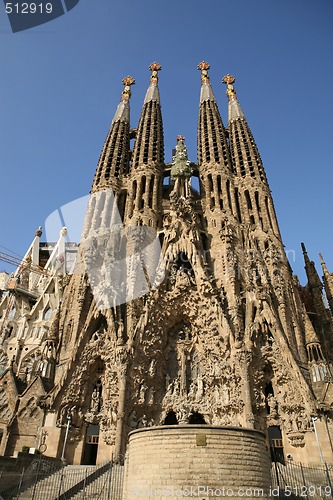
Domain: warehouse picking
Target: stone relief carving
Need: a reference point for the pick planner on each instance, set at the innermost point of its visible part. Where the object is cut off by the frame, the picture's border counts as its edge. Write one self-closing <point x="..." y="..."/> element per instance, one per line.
<point x="5" y="410"/>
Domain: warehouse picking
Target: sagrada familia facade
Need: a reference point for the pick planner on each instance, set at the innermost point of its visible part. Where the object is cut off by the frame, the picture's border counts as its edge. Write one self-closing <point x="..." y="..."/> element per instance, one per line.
<point x="178" y="307"/>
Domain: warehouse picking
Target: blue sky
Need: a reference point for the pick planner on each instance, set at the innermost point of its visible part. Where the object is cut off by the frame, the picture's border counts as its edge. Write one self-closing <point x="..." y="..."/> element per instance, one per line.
<point x="61" y="82"/>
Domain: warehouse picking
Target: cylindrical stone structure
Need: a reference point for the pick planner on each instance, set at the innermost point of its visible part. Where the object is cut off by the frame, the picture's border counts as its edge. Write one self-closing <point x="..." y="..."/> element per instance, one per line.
<point x="198" y="461"/>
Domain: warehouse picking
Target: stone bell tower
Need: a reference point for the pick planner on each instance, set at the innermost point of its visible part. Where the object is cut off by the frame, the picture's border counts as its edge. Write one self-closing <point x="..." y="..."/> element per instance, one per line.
<point x="182" y="335"/>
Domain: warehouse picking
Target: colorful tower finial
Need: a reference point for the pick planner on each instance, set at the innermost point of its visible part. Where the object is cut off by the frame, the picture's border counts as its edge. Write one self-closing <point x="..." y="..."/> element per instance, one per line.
<point x="181" y="166"/>
<point x="126" y="93"/>
<point x="204" y="67"/>
<point x="229" y="80"/>
<point x="154" y="68"/>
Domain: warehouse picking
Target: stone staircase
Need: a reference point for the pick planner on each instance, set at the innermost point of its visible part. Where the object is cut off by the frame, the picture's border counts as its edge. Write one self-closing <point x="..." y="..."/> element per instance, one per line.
<point x="76" y="482"/>
<point x="108" y="486"/>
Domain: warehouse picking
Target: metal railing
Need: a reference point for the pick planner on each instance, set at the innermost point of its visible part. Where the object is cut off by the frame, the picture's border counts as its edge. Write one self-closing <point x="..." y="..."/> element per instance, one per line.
<point x="298" y="481"/>
<point x="44" y="480"/>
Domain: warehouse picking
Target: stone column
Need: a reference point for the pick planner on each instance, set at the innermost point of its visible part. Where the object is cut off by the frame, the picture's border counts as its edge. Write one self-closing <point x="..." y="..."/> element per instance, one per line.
<point x="244" y="359"/>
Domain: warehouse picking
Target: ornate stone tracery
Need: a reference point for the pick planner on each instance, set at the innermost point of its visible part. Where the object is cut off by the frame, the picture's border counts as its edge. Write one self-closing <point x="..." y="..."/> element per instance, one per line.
<point x="181" y="308"/>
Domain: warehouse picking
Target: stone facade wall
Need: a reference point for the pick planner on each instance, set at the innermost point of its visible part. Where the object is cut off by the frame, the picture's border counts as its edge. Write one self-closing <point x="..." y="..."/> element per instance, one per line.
<point x="196" y="461"/>
<point x="216" y="332"/>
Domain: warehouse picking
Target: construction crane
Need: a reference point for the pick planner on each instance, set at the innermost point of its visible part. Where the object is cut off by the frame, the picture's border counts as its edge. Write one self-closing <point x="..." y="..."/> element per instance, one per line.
<point x="22" y="265"/>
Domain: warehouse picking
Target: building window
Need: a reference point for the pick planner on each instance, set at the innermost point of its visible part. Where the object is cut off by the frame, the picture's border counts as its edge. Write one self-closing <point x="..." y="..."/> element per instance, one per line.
<point x="47" y="314"/>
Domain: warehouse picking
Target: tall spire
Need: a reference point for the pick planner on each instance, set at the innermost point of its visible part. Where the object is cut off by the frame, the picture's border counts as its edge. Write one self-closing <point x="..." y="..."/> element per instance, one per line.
<point x="234" y="108"/>
<point x="114" y="158"/>
<point x="253" y="197"/>
<point x="315" y="286"/>
<point x="311" y="272"/>
<point x="149" y="144"/>
<point x="245" y="155"/>
<point x="212" y="142"/>
<point x="206" y="93"/>
<point x="328" y="282"/>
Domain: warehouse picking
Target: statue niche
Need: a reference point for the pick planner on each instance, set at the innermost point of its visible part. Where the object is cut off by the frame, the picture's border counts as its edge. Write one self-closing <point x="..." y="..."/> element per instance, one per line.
<point x="181" y="273"/>
<point x="183" y="379"/>
<point x="96" y="404"/>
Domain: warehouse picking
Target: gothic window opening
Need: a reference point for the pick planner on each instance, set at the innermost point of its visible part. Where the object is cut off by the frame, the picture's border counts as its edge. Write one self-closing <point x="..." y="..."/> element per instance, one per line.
<point x="248" y="200"/>
<point x="151" y="191"/>
<point x="122" y="204"/>
<point x="219" y="184"/>
<point x="268" y="212"/>
<point x="237" y="205"/>
<point x="242" y="168"/>
<point x="229" y="195"/>
<point x="213" y="131"/>
<point x="142" y="191"/>
<point x="210" y="183"/>
<point x="161" y="239"/>
<point x="205" y="244"/>
<point x="29" y="366"/>
<point x="314" y="353"/>
<point x="166" y="185"/>
<point x="147" y="136"/>
<point x="256" y="197"/>
<point x="195" y="184"/>
<point x="196" y="418"/>
<point x="47" y="314"/>
<point x="166" y="179"/>
<point x="134" y="192"/>
<point x="171" y="419"/>
<point x="109" y="152"/>
<point x="318" y="369"/>
<point x="12" y="314"/>
<point x="319" y="373"/>
<point x="119" y="159"/>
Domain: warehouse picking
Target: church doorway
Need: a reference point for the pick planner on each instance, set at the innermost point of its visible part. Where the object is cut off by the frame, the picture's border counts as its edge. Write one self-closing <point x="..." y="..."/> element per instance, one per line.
<point x="196" y="418"/>
<point x="91" y="445"/>
<point x="276" y="444"/>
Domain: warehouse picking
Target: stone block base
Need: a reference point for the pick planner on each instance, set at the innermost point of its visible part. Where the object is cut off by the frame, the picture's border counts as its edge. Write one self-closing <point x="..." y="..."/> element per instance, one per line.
<point x="198" y="461"/>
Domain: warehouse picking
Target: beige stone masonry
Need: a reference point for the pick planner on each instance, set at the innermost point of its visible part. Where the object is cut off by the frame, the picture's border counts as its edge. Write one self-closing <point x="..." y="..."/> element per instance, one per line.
<point x="196" y="461"/>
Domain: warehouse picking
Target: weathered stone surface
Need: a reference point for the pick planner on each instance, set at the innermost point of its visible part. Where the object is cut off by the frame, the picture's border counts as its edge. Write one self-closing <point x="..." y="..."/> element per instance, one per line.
<point x="214" y="330"/>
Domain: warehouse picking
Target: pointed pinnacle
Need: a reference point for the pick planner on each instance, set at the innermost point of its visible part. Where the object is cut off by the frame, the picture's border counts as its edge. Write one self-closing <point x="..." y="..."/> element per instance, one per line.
<point x="154" y="68"/>
<point x="204" y="67"/>
<point x="229" y="80"/>
<point x="127" y="82"/>
<point x="323" y="265"/>
<point x="305" y="255"/>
